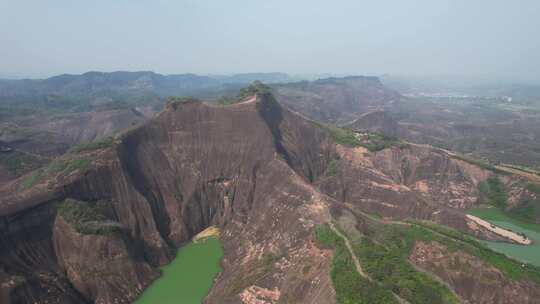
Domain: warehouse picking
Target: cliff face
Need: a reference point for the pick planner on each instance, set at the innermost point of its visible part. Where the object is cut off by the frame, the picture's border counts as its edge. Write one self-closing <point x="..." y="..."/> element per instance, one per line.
<point x="237" y="167"/>
<point x="265" y="176"/>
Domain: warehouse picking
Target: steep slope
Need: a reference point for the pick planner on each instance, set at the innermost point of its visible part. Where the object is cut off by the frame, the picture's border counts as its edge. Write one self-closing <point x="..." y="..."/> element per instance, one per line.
<point x="266" y="176"/>
<point x="193" y="166"/>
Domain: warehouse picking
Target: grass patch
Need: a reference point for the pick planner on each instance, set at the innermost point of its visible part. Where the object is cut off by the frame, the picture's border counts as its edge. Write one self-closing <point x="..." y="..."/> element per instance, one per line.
<point x="387" y="263"/>
<point x="493" y="190"/>
<point x="341" y="136"/>
<point x="376" y="142"/>
<point x="102" y="143"/>
<point x="528" y="209"/>
<point x="87" y="217"/>
<point x="332" y="168"/>
<point x="56" y="167"/>
<point x="255" y="88"/>
<point x="455" y="240"/>
<point x="18" y="163"/>
<point x="349" y="285"/>
<point x="32" y="180"/>
<point x="372" y="141"/>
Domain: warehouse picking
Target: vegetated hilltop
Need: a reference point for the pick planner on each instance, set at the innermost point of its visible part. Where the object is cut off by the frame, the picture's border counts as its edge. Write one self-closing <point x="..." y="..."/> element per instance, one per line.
<point x="95" y="224"/>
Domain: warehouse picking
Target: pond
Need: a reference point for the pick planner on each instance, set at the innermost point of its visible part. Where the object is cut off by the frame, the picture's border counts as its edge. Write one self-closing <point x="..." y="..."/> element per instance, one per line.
<point x="530" y="253"/>
<point x="189" y="277"/>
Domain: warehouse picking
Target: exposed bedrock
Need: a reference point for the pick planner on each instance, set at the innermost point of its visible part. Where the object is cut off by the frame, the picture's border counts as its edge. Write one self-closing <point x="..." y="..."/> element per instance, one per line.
<point x="264" y="175"/>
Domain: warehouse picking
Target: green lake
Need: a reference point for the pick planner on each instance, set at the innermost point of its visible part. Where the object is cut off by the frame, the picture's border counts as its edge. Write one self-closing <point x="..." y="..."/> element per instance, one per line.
<point x="189" y="277"/>
<point x="530" y="253"/>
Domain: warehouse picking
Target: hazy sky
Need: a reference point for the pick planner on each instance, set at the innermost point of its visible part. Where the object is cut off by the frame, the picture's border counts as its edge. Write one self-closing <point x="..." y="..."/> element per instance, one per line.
<point x="499" y="38"/>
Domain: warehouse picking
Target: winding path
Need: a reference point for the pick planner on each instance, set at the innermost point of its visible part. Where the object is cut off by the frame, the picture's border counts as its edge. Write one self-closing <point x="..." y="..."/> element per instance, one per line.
<point x="357" y="262"/>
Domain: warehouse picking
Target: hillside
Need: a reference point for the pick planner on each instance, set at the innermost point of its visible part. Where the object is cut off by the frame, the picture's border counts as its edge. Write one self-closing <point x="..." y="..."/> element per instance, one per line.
<point x="336" y="100"/>
<point x="95" y="224"/>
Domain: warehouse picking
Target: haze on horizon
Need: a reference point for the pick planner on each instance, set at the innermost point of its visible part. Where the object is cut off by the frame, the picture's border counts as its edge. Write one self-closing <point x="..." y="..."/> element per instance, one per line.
<point x="488" y="38"/>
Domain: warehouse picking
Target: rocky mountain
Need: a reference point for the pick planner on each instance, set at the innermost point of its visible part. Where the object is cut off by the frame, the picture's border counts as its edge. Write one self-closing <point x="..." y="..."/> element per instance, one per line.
<point x="494" y="122"/>
<point x="299" y="205"/>
<point x="43" y="118"/>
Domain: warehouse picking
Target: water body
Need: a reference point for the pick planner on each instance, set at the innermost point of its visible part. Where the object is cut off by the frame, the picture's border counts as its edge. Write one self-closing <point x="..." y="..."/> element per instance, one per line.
<point x="530" y="253"/>
<point x="189" y="277"/>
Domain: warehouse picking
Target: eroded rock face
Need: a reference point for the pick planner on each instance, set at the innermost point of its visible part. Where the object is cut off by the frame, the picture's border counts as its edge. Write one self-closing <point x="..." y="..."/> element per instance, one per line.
<point x="472" y="279"/>
<point x="400" y="182"/>
<point x="244" y="168"/>
<point x="101" y="267"/>
<point x="254" y="169"/>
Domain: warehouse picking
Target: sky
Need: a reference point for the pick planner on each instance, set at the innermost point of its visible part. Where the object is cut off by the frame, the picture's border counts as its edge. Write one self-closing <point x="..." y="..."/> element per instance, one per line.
<point x="494" y="38"/>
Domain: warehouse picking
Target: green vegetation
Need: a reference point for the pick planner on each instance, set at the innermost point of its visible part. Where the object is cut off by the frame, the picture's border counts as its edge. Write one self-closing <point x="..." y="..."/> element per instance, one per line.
<point x="376" y="142"/>
<point x="57" y="166"/>
<point x="528" y="209"/>
<point x="480" y="163"/>
<point x="534" y="188"/>
<point x="102" y="143"/>
<point x="350" y="286"/>
<point x="494" y="191"/>
<point x="332" y="168"/>
<point x="18" y="163"/>
<point x="87" y="217"/>
<point x="456" y="240"/>
<point x="255" y="88"/>
<point x="384" y="250"/>
<point x="174" y="101"/>
<point x="66" y="166"/>
<point x="387" y="263"/>
<point x="227" y="100"/>
<point x="341" y="136"/>
<point x="32" y="180"/>
<point x="372" y="141"/>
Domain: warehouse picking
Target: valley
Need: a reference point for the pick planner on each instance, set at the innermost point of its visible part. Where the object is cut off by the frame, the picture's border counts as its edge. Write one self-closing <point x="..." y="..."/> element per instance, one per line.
<point x="270" y="179"/>
<point x="270" y="152"/>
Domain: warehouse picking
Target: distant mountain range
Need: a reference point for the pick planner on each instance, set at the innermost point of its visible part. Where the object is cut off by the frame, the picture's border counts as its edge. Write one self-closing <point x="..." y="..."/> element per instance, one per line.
<point x="101" y="83"/>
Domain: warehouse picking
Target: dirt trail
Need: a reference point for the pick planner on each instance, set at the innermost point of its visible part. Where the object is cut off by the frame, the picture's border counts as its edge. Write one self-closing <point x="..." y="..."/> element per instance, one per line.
<point x="249" y="100"/>
<point x="349" y="247"/>
<point x="357" y="264"/>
